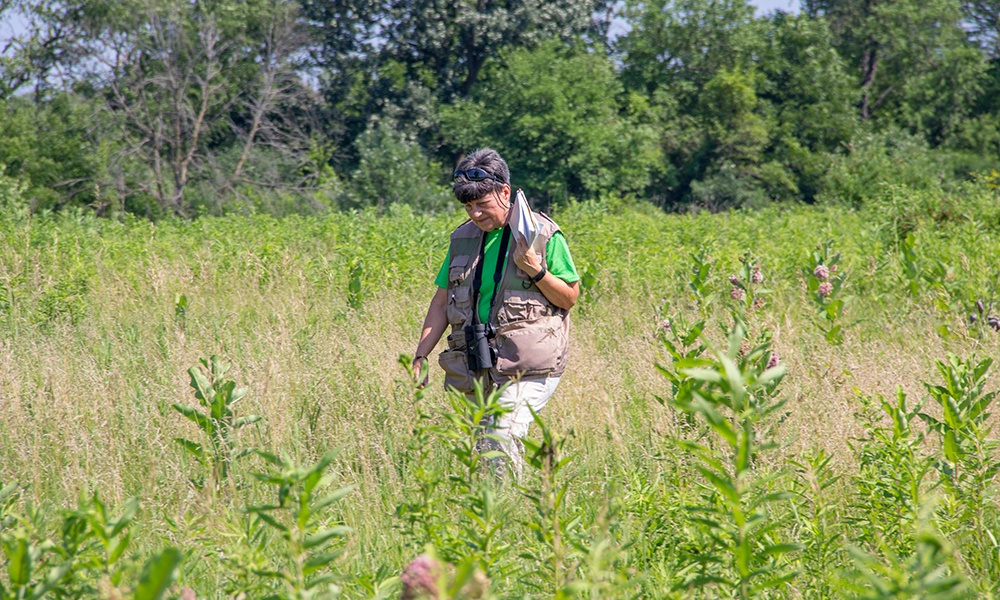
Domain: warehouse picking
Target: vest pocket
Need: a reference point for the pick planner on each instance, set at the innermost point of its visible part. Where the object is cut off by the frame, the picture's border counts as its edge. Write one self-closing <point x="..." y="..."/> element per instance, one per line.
<point x="459" y="305"/>
<point x="456" y="371"/>
<point x="458" y="270"/>
<point x="522" y="305"/>
<point x="531" y="347"/>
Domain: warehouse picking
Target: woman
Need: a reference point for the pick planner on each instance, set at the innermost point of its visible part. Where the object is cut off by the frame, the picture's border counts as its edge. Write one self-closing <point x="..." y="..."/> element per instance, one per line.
<point x="507" y="304"/>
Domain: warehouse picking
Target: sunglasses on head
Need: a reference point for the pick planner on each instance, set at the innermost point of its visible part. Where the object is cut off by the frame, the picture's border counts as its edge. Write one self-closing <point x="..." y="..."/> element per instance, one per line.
<point x="476" y="175"/>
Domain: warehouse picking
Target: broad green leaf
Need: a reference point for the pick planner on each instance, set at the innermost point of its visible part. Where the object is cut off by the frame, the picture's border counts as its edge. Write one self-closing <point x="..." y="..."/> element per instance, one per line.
<point x="774" y="374"/>
<point x="263" y="516"/>
<point x="196" y="416"/>
<point x="723" y="485"/>
<point x="7" y="491"/>
<point x="194" y="449"/>
<point x="779" y="549"/>
<point x="119" y="548"/>
<point x="240" y="422"/>
<point x="20" y="562"/>
<point x="271" y="458"/>
<point x="332" y="498"/>
<point x="321" y="537"/>
<point x="320" y="561"/>
<point x="128" y="513"/>
<point x="202" y="385"/>
<point x="158" y="575"/>
<point x="706" y="375"/>
<point x="951" y="449"/>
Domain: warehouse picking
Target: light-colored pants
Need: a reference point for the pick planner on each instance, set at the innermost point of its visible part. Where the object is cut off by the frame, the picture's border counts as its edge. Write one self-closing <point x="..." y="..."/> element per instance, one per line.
<point x="531" y="392"/>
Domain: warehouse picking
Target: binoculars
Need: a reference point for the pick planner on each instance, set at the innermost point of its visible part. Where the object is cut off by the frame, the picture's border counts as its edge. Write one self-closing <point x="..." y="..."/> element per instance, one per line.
<point x="478" y="352"/>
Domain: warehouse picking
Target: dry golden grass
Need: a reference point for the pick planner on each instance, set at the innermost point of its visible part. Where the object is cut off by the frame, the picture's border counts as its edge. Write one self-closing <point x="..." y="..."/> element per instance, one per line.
<point x="85" y="401"/>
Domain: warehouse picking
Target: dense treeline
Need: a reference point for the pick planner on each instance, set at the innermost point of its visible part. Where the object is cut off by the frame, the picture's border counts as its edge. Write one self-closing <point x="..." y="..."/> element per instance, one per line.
<point x="168" y="107"/>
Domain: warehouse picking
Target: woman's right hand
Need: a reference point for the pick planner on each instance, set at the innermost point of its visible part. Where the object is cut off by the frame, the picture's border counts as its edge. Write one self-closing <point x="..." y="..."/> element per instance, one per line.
<point x="421" y="366"/>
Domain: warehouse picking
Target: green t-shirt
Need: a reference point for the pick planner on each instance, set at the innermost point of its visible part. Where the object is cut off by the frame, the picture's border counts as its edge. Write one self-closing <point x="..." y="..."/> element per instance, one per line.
<point x="557" y="260"/>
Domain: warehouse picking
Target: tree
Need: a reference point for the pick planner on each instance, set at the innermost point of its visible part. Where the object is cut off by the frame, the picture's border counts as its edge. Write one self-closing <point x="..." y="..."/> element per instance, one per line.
<point x="186" y="83"/>
<point x="562" y="121"/>
<point x="405" y="58"/>
<point x="51" y="46"/>
<point x="679" y="45"/>
<point x="915" y="62"/>
<point x="983" y="18"/>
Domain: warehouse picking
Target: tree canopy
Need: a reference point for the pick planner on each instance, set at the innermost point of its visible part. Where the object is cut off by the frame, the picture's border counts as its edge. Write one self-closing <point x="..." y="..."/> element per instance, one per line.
<point x="166" y="107"/>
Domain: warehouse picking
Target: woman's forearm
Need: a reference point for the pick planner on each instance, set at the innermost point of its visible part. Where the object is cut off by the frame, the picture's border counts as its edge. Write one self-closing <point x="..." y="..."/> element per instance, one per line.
<point x="558" y="292"/>
<point x="435" y="323"/>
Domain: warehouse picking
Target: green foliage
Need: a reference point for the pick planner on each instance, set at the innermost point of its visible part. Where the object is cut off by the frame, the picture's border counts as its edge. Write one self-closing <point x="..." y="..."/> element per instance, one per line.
<point x="309" y="541"/>
<point x="218" y="421"/>
<point x="158" y="575"/>
<point x="452" y="505"/>
<point x="87" y="559"/>
<point x="927" y="573"/>
<point x="820" y="519"/>
<point x="824" y="283"/>
<point x="556" y="116"/>
<point x="894" y="473"/>
<point x="970" y="463"/>
<point x="629" y="509"/>
<point x="393" y="170"/>
<point x="873" y="161"/>
<point x="13" y="203"/>
<point x="551" y="526"/>
<point x="733" y="394"/>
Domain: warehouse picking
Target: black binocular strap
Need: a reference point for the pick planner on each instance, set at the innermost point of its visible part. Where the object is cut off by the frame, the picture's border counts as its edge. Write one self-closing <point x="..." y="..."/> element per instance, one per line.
<point x="477" y="280"/>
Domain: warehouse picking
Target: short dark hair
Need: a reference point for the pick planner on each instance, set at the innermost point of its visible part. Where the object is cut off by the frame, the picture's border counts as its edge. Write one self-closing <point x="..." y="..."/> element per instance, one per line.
<point x="488" y="160"/>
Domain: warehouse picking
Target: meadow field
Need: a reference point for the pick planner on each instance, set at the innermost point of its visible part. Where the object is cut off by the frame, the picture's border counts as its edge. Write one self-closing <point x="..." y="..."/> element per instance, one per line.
<point x="800" y="433"/>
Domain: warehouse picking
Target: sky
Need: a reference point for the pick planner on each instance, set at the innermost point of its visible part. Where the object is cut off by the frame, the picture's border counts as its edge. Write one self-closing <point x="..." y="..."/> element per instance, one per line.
<point x="10" y="25"/>
<point x="766" y="6"/>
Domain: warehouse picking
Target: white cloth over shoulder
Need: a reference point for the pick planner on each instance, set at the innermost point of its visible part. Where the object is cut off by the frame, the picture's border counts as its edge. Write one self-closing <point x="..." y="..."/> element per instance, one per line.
<point x="522" y="222"/>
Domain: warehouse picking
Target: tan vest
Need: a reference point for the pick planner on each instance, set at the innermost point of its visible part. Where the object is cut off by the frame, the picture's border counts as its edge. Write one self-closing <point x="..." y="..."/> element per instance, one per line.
<point x="532" y="333"/>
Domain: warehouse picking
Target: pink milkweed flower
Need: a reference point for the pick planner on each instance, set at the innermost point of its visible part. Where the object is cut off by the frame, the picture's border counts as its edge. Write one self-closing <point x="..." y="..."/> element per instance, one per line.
<point x="665" y="324"/>
<point x="825" y="289"/>
<point x="821" y="272"/>
<point x="420" y="577"/>
<point x="774" y="361"/>
<point x="737" y="294"/>
<point x="733" y="279"/>
<point x="757" y="276"/>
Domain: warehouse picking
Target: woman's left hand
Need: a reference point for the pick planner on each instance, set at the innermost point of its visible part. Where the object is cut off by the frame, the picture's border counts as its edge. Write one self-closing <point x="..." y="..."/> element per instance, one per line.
<point x="527" y="259"/>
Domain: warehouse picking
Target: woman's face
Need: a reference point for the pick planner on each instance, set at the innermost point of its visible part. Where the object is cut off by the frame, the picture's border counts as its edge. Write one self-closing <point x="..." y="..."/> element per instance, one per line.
<point x="490" y="212"/>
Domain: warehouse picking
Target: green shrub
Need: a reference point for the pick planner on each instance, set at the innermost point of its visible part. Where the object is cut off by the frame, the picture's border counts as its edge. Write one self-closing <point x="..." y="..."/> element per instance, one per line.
<point x="394" y="170"/>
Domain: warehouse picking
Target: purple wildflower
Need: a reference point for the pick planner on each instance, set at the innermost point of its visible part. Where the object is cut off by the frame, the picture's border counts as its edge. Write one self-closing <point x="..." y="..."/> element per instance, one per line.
<point x="665" y="324"/>
<point x="980" y="307"/>
<point x="757" y="276"/>
<point x="733" y="279"/>
<point x="821" y="272"/>
<point x="420" y="577"/>
<point x="825" y="289"/>
<point x="993" y="322"/>
<point x="774" y="361"/>
<point x="737" y="294"/>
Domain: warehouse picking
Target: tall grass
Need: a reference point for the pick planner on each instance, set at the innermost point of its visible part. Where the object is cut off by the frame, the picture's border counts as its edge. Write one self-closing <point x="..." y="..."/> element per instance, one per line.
<point x="312" y="314"/>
